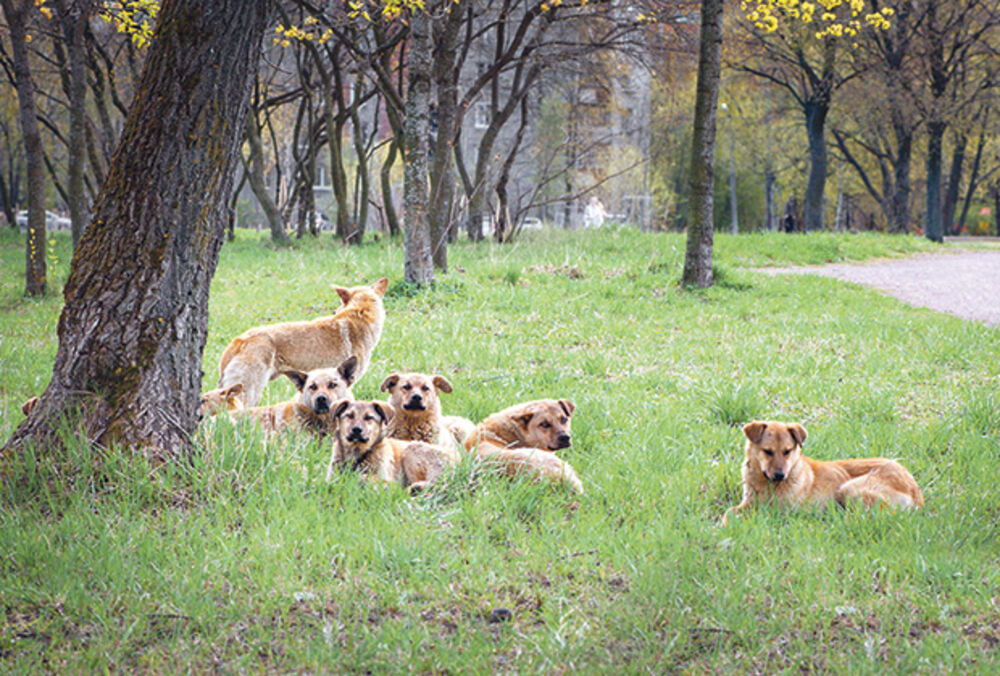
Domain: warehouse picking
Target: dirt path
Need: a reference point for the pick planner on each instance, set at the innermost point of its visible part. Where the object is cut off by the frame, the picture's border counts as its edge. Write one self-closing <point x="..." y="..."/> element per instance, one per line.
<point x="966" y="284"/>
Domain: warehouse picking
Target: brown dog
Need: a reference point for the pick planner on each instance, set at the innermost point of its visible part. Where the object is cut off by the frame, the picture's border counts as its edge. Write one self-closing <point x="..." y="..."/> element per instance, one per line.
<point x="29" y="405"/>
<point x="318" y="390"/>
<point x="415" y="398"/>
<point x="524" y="439"/>
<point x="260" y="354"/>
<point x="215" y="401"/>
<point x="775" y="470"/>
<point x="361" y="443"/>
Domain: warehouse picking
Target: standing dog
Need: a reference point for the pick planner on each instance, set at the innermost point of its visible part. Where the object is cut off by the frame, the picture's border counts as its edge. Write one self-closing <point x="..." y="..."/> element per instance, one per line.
<point x="414" y="397"/>
<point x="775" y="470"/>
<point x="260" y="354"/>
<point x="361" y="443"/>
<point x="318" y="390"/>
<point x="523" y="439"/>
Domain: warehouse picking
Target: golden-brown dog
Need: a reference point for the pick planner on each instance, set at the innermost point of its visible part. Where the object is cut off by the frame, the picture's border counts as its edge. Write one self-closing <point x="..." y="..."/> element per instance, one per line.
<point x="215" y="401"/>
<point x="29" y="405"/>
<point x="319" y="390"/>
<point x="415" y="398"/>
<point x="362" y="443"/>
<point x="523" y="439"/>
<point x="775" y="470"/>
<point x="260" y="354"/>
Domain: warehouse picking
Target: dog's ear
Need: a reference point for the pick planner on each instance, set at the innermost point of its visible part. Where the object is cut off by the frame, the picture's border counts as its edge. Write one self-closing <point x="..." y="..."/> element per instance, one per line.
<point x="754" y="431"/>
<point x="233" y="391"/>
<point x="348" y="369"/>
<point x="297" y="377"/>
<point x="28" y="406"/>
<point x="380" y="287"/>
<point x="798" y="433"/>
<point x="567" y="406"/>
<point x="524" y="419"/>
<point x="442" y="384"/>
<point x="389" y="382"/>
<point x="384" y="410"/>
<point x="345" y="294"/>
<point x="339" y="408"/>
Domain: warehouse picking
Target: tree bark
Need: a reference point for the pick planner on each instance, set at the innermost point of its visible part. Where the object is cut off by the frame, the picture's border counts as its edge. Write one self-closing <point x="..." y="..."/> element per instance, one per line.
<point x="255" y="172"/>
<point x="950" y="200"/>
<point x="973" y="180"/>
<point x="770" y="201"/>
<point x="816" y="112"/>
<point x="392" y="221"/>
<point x="131" y="334"/>
<point x="933" y="227"/>
<point x="418" y="266"/>
<point x="698" y="255"/>
<point x="17" y="13"/>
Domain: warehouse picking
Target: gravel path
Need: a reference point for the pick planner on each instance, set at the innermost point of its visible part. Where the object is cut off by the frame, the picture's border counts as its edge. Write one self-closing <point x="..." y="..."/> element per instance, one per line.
<point x="965" y="284"/>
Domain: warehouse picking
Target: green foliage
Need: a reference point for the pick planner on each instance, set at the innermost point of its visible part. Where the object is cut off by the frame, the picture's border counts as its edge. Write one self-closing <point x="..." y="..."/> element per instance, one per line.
<point x="244" y="559"/>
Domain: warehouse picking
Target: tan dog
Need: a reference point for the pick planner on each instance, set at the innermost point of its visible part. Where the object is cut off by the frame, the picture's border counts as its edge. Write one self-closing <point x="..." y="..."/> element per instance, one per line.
<point x="215" y="401"/>
<point x="29" y="405"/>
<point x="775" y="470"/>
<point x="260" y="354"/>
<point x="319" y="391"/>
<point x="524" y="439"/>
<point x="415" y="398"/>
<point x="361" y="443"/>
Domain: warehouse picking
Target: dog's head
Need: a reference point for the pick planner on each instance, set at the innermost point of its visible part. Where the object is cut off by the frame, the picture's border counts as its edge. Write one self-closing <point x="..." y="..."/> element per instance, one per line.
<point x="360" y="425"/>
<point x="544" y="423"/>
<point x="321" y="388"/>
<point x="28" y="406"/>
<point x="362" y="295"/>
<point x="415" y="392"/>
<point x="774" y="448"/>
<point x="215" y="401"/>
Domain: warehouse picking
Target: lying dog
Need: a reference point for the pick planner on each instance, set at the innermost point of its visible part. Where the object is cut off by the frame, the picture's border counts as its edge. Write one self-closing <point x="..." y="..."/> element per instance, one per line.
<point x="775" y="470"/>
<point x="318" y="390"/>
<point x="523" y="439"/>
<point x="361" y="443"/>
<point x="414" y="397"/>
<point x="215" y="401"/>
<point x="260" y="354"/>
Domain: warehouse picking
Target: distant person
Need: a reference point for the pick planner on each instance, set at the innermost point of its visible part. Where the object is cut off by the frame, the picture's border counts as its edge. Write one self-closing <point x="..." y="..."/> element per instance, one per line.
<point x="593" y="215"/>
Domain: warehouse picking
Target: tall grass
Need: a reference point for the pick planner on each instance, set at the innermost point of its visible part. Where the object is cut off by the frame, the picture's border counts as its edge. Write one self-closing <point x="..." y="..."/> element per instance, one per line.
<point x="244" y="559"/>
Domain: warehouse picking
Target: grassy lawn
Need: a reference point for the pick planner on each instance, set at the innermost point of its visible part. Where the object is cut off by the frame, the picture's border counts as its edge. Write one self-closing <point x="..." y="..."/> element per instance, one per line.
<point x="245" y="560"/>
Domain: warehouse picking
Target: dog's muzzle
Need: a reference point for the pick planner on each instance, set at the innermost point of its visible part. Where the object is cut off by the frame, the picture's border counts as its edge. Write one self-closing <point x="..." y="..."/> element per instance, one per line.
<point x="321" y="404"/>
<point x="357" y="435"/>
<point x="562" y="441"/>
<point x="775" y="477"/>
<point x="415" y="403"/>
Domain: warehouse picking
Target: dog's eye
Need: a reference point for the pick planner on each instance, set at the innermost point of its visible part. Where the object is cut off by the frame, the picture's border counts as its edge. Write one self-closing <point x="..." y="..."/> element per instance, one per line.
<point x="369" y="418"/>
<point x="787" y="451"/>
<point x="563" y="421"/>
<point x="425" y="388"/>
<point x="769" y="453"/>
<point x="545" y="425"/>
<point x="312" y="387"/>
<point x="407" y="388"/>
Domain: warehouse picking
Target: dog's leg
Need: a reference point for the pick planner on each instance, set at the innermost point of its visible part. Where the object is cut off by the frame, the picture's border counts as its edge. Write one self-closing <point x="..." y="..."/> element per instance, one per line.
<point x="252" y="376"/>
<point x="871" y="490"/>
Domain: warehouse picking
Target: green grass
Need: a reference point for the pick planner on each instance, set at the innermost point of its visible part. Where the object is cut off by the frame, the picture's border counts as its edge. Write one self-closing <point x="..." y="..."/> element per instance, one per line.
<point x="245" y="560"/>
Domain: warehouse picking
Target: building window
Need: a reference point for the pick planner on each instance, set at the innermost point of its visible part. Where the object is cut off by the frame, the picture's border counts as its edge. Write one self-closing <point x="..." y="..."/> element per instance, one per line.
<point x="481" y="115"/>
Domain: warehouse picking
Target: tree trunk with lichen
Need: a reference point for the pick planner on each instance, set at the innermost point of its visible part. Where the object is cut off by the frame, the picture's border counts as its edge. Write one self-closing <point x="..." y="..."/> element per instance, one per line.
<point x="418" y="265"/>
<point x="17" y="13"/>
<point x="131" y="334"/>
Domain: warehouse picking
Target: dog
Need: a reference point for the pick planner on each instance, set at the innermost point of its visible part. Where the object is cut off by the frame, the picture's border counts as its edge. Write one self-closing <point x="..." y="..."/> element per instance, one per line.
<point x="524" y="438"/>
<point x="260" y="354"/>
<point x="362" y="443"/>
<point x="775" y="470"/>
<point x="29" y="405"/>
<point x="215" y="401"/>
<point x="318" y="391"/>
<point x="415" y="398"/>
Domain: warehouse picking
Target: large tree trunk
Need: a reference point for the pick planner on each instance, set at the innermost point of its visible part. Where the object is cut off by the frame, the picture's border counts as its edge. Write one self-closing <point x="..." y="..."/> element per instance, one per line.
<point x="698" y="256"/>
<point x="255" y="172"/>
<point x="899" y="201"/>
<point x="932" y="225"/>
<point x="816" y="112"/>
<point x="132" y="331"/>
<point x="16" y="12"/>
<point x="418" y="266"/>
<point x="950" y="200"/>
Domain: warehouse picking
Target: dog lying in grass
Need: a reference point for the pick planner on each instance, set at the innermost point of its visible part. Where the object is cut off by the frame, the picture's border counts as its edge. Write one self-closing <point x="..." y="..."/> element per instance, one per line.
<point x="775" y="470"/>
<point x="523" y="439"/>
<point x="260" y="354"/>
<point x="318" y="391"/>
<point x="361" y="443"/>
<point x="415" y="399"/>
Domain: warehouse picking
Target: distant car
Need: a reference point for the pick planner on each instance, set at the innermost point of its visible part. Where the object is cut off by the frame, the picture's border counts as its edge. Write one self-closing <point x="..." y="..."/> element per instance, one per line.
<point x="531" y="223"/>
<point x="53" y="221"/>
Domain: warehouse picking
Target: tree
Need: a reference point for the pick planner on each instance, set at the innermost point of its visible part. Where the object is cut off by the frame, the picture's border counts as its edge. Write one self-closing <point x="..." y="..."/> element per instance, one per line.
<point x="132" y="331"/>
<point x="18" y="13"/>
<point x="418" y="266"/>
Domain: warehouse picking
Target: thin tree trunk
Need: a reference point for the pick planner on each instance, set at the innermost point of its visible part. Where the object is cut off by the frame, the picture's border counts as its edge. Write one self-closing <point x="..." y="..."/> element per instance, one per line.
<point x="950" y="200"/>
<point x="255" y="171"/>
<point x="973" y="179"/>
<point x="899" y="204"/>
<point x="932" y="224"/>
<point x="698" y="255"/>
<point x="131" y="334"/>
<point x="391" y="219"/>
<point x="17" y="12"/>
<point x="816" y="112"/>
<point x="363" y="181"/>
<point x="418" y="267"/>
<point x="734" y="213"/>
<point x="770" y="200"/>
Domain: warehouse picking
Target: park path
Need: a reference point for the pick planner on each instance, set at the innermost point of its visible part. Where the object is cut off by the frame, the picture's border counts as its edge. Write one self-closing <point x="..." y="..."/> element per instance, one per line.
<point x="965" y="283"/>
